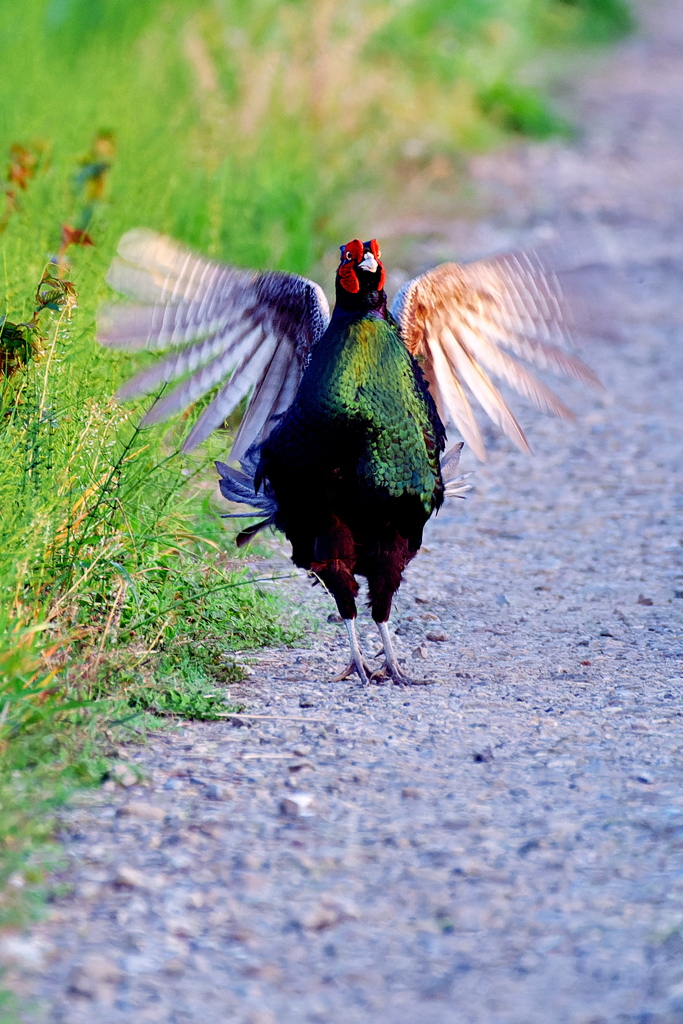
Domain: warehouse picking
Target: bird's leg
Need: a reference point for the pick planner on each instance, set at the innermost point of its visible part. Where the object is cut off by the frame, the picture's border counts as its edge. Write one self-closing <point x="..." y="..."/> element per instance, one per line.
<point x="357" y="663"/>
<point x="391" y="665"/>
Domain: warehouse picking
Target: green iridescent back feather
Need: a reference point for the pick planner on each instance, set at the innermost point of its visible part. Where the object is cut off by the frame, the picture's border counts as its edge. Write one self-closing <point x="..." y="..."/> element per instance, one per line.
<point x="363" y="383"/>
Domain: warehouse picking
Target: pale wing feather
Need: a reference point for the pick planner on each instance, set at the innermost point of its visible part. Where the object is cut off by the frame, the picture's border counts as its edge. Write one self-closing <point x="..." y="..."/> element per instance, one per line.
<point x="513" y="373"/>
<point x="531" y="297"/>
<point x="272" y="397"/>
<point x="181" y="363"/>
<point x="253" y="331"/>
<point x="506" y="298"/>
<point x="470" y="321"/>
<point x="504" y="321"/>
<point x="153" y="268"/>
<point x="174" y="324"/>
<point x="451" y="398"/>
<point x="524" y="314"/>
<point x="189" y="294"/>
<point x="243" y="379"/>
<point x="466" y="368"/>
<point x="256" y="350"/>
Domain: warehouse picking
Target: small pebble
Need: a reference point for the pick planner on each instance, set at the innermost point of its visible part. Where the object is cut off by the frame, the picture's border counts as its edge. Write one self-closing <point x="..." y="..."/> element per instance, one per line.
<point x="298" y="805"/>
<point x="95" y="976"/>
<point x="215" y="791"/>
<point x="436" y="636"/>
<point x="132" y="878"/>
<point x="23" y="951"/>
<point x="122" y="774"/>
<point x="142" y="810"/>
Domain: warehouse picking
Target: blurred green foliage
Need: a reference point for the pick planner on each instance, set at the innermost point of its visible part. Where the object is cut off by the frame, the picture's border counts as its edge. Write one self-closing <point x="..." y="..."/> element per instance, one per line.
<point x="585" y="21"/>
<point x="521" y="110"/>
<point x="238" y="124"/>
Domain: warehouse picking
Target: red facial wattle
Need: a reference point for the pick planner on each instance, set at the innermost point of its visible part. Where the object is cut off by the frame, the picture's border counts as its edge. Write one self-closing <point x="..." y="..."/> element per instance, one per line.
<point x="352" y="254"/>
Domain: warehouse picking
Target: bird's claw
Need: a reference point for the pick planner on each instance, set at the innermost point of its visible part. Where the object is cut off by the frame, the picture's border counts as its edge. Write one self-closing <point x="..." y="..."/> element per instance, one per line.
<point x="364" y="671"/>
<point x="393" y="673"/>
<point x="398" y="679"/>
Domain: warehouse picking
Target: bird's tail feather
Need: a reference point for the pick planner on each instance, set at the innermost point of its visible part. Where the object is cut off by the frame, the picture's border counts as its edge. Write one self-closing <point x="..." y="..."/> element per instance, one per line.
<point x="458" y="488"/>
<point x="450" y="461"/>
<point x="454" y="486"/>
<point x="237" y="484"/>
<point x="246" y="535"/>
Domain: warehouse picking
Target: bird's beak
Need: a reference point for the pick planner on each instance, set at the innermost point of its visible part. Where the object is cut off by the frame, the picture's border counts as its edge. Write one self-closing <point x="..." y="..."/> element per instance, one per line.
<point x="369" y="263"/>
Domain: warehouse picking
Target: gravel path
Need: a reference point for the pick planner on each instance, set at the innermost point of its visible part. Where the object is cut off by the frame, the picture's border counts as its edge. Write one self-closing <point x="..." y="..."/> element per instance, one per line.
<point x="505" y="845"/>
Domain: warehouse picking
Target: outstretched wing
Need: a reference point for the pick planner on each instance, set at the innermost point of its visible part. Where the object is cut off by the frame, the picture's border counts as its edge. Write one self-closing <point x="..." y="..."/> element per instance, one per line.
<point x="243" y="330"/>
<point x="469" y="322"/>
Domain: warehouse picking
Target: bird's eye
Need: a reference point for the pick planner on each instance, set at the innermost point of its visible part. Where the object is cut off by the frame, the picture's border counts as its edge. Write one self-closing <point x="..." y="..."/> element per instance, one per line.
<point x="349" y="255"/>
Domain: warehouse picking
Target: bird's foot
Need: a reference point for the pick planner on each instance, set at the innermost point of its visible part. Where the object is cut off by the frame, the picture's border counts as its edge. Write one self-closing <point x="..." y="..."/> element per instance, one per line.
<point x="400" y="680"/>
<point x="358" y="664"/>
<point x="394" y="673"/>
<point x="361" y="669"/>
<point x="397" y="677"/>
<point x="391" y="668"/>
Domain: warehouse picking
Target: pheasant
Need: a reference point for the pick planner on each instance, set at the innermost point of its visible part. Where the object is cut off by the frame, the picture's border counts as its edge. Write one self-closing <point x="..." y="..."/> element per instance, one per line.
<point x="342" y="445"/>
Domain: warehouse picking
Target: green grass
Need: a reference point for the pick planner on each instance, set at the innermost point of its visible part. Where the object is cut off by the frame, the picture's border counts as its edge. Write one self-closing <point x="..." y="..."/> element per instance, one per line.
<point x="585" y="21"/>
<point x="242" y="128"/>
<point x="521" y="111"/>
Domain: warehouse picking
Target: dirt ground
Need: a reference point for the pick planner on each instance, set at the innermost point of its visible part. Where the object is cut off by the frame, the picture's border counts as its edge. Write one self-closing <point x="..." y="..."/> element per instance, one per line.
<point x="504" y="845"/>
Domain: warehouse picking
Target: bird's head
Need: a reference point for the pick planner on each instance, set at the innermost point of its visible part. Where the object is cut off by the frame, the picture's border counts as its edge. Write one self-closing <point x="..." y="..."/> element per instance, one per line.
<point x="360" y="273"/>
